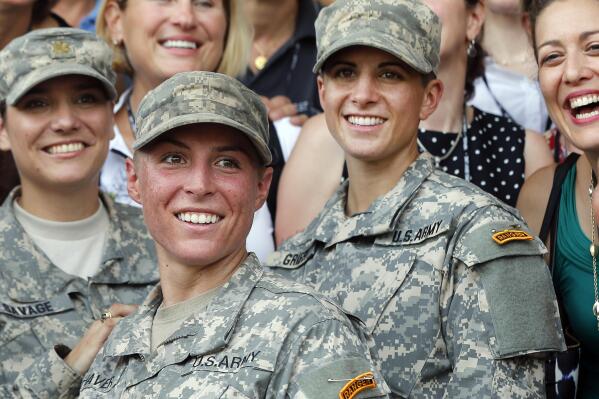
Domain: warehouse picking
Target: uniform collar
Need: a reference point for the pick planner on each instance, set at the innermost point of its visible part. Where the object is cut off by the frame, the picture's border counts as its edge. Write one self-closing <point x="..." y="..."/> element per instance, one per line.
<point x="34" y="277"/>
<point x="332" y="226"/>
<point x="207" y="331"/>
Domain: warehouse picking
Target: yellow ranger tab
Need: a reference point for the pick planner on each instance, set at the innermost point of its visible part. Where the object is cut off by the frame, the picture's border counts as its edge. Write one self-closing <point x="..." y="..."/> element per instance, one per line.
<point x="505" y="236"/>
<point x="357" y="385"/>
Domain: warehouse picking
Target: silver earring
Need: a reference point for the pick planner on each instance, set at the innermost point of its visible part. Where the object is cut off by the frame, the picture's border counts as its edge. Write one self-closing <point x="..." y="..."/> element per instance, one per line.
<point x="471" y="51"/>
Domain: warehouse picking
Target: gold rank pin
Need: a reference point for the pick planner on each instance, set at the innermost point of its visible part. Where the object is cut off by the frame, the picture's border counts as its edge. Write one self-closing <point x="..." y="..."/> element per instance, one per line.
<point x="505" y="236"/>
<point x="357" y="385"/>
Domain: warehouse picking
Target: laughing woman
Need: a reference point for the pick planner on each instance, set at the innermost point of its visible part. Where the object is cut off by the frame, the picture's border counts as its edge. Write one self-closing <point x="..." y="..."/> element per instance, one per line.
<point x="568" y="60"/>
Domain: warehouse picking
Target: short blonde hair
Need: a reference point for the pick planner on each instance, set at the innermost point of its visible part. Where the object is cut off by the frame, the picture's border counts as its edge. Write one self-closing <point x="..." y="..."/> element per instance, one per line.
<point x="236" y="52"/>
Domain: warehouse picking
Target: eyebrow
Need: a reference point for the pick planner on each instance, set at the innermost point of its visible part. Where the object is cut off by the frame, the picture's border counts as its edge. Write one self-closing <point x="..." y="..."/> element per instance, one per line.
<point x="582" y="36"/>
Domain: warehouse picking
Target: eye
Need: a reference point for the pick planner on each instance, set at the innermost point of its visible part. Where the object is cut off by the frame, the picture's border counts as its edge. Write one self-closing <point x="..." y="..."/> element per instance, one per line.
<point x="203" y="3"/>
<point x="227" y="163"/>
<point x="173" y="159"/>
<point x="343" y="72"/>
<point x="593" y="48"/>
<point x="551" y="58"/>
<point x="390" y="75"/>
<point x="88" y="98"/>
<point x="33" y="103"/>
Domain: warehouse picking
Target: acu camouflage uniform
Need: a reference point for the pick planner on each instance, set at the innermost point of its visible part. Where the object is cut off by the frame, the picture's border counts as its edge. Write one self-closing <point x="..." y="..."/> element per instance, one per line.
<point x="260" y="337"/>
<point x="42" y="306"/>
<point x="453" y="313"/>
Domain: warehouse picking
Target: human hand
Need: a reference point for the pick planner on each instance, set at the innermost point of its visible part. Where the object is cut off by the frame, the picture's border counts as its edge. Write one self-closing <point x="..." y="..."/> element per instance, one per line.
<point x="82" y="356"/>
<point x="280" y="107"/>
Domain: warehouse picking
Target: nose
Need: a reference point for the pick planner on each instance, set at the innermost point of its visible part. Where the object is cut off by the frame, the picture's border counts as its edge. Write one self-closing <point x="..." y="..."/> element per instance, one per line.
<point x="364" y="91"/>
<point x="576" y="68"/>
<point x="199" y="182"/>
<point x="183" y="14"/>
<point x="65" y="119"/>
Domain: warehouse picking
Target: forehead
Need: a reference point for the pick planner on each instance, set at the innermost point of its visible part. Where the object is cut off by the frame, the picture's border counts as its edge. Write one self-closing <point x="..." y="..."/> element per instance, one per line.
<point x="65" y="83"/>
<point x="363" y="54"/>
<point x="582" y="16"/>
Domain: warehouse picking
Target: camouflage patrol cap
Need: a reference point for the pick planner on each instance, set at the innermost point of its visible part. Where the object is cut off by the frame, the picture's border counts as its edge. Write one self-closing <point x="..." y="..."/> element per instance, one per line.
<point x="203" y="97"/>
<point x="44" y="54"/>
<point x="408" y="29"/>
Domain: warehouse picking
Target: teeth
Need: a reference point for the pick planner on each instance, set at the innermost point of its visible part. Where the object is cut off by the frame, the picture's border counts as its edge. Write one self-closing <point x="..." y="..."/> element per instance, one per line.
<point x="583" y="100"/>
<point x="179" y="44"/>
<point x="197" y="218"/>
<point x="64" y="148"/>
<point x="587" y="115"/>
<point x="365" y="120"/>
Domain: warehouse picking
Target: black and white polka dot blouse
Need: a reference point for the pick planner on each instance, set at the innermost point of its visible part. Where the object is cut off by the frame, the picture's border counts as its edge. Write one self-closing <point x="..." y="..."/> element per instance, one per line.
<point x="495" y="149"/>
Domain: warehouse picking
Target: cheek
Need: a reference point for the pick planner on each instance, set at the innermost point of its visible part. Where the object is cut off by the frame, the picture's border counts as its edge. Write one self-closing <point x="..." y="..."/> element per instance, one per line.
<point x="549" y="83"/>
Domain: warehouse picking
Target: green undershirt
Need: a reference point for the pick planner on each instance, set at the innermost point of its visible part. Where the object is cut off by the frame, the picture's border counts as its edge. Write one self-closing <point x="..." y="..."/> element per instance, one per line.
<point x="573" y="279"/>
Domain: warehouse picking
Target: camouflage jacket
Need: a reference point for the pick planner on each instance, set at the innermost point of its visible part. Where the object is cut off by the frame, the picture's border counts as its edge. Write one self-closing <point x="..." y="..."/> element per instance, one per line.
<point x="260" y="337"/>
<point x="41" y="306"/>
<point x="453" y="312"/>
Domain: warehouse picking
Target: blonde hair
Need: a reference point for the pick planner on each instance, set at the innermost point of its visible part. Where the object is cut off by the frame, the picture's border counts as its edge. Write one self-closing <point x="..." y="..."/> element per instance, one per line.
<point x="236" y="51"/>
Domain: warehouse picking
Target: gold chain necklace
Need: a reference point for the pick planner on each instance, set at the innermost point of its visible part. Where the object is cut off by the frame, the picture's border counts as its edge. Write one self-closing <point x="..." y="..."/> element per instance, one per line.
<point x="593" y="251"/>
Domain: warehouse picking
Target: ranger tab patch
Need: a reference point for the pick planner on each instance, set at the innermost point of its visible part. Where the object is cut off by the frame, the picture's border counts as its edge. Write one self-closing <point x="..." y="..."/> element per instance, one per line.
<point x="357" y="385"/>
<point x="505" y="236"/>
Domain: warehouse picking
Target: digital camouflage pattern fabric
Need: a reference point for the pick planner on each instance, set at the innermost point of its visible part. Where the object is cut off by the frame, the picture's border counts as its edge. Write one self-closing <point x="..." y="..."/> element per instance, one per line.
<point x="260" y="337"/>
<point x="203" y="97"/>
<point x="453" y="313"/>
<point x="41" y="306"/>
<point x="43" y="54"/>
<point x="407" y="29"/>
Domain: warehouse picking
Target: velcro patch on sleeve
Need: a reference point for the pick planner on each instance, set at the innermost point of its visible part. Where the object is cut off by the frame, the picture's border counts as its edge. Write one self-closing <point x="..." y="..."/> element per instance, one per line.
<point x="357" y="385"/>
<point x="505" y="236"/>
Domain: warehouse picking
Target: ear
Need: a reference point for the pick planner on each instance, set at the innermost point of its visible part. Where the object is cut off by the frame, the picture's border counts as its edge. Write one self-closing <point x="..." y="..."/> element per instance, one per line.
<point x="4" y="141"/>
<point x="321" y="91"/>
<point x="475" y="21"/>
<point x="113" y="16"/>
<point x="133" y="181"/>
<point x="263" y="187"/>
<point x="432" y="96"/>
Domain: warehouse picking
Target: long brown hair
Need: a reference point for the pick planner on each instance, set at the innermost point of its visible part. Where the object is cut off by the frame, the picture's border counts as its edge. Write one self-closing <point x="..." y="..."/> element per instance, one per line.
<point x="476" y="65"/>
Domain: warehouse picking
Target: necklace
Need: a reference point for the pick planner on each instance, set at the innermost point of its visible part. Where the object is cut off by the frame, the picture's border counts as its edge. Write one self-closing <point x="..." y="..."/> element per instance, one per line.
<point x="261" y="59"/>
<point x="593" y="250"/>
<point x="454" y="144"/>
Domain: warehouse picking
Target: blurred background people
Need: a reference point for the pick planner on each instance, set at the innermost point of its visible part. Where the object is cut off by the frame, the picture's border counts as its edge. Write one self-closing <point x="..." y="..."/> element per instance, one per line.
<point x="556" y="202"/>
<point x="509" y="85"/>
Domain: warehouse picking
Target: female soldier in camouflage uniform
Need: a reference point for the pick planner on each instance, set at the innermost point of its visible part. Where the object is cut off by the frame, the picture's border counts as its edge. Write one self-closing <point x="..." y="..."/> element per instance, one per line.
<point x="67" y="251"/>
<point x="447" y="278"/>
<point x="218" y="326"/>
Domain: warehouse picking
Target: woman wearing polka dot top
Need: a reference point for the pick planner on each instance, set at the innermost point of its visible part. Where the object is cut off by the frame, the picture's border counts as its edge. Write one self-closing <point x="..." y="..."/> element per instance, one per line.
<point x="491" y="151"/>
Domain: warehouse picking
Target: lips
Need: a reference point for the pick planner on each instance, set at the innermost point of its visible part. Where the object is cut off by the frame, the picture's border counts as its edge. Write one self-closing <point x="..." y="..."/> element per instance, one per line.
<point x="64" y="148"/>
<point x="198" y="217"/>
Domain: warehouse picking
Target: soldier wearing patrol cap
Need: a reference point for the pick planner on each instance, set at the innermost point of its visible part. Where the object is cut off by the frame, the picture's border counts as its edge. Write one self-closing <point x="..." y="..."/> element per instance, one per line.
<point x="217" y="325"/>
<point x="67" y="252"/>
<point x="449" y="280"/>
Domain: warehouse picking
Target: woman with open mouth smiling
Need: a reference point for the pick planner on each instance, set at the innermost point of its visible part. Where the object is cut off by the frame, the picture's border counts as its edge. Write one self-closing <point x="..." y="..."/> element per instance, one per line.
<point x="568" y="62"/>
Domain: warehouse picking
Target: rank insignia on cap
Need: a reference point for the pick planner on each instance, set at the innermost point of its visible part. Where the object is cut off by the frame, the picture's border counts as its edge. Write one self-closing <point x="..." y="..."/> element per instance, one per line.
<point x="505" y="236"/>
<point x="357" y="385"/>
<point x="61" y="49"/>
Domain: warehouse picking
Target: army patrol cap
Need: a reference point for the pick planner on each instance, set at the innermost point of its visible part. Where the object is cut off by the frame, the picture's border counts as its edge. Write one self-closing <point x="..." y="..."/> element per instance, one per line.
<point x="44" y="54"/>
<point x="407" y="29"/>
<point x="203" y="97"/>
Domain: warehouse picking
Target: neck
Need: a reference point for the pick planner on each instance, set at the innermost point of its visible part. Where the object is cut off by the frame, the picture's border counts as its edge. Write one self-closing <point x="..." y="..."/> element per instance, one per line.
<point x="14" y="22"/>
<point x="180" y="282"/>
<point x="507" y="42"/>
<point x="73" y="11"/>
<point x="449" y="113"/>
<point x="370" y="180"/>
<point x="273" y="21"/>
<point x="141" y="87"/>
<point x="59" y="204"/>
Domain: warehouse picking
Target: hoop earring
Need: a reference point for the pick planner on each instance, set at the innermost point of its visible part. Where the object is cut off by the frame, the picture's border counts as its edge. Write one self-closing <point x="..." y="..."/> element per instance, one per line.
<point x="471" y="51"/>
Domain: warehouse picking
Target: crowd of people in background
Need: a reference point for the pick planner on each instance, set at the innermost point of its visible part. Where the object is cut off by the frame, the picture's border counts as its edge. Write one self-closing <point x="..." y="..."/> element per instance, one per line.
<point x="416" y="179"/>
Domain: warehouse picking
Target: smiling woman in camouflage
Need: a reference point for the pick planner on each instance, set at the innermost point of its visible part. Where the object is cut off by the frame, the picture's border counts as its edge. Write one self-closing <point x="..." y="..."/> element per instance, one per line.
<point x="217" y="325"/>
<point x="440" y="272"/>
<point x="67" y="251"/>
